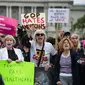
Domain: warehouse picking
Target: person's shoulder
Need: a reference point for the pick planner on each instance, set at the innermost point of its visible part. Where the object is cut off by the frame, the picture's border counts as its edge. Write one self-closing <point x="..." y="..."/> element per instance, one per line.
<point x="73" y="52"/>
<point x="32" y="42"/>
<point x="2" y="49"/>
<point x="48" y="43"/>
<point x="17" y="49"/>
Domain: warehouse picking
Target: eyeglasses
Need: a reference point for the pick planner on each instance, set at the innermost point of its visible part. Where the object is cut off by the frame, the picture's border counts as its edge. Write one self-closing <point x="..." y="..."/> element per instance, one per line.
<point x="40" y="34"/>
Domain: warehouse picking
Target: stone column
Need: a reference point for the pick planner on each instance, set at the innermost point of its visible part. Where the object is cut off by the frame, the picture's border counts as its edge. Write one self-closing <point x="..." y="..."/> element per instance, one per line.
<point x="32" y="10"/>
<point x="7" y="11"/>
<point x="22" y="10"/>
<point x="19" y="14"/>
<point x="10" y="11"/>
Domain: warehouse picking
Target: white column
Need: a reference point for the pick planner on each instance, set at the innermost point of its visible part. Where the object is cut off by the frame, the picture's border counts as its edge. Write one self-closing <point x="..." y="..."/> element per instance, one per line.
<point x="32" y="9"/>
<point x="19" y="14"/>
<point x="7" y="11"/>
<point x="22" y="11"/>
<point x="10" y="11"/>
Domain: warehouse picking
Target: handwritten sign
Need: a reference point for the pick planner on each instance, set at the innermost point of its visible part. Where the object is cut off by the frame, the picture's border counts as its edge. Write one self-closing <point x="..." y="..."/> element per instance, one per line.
<point x="58" y="15"/>
<point x="17" y="73"/>
<point x="8" y="25"/>
<point x="33" y="21"/>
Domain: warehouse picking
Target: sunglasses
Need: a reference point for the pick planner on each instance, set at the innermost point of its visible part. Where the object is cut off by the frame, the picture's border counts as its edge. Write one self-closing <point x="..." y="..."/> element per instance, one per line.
<point x="40" y="34"/>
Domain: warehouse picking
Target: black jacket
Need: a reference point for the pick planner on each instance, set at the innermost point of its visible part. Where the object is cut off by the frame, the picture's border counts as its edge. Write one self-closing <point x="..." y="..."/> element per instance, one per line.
<point x="74" y="67"/>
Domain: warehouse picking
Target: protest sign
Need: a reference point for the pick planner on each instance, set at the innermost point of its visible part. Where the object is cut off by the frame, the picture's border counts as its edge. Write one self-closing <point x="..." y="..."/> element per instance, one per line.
<point x="56" y="15"/>
<point x="8" y="25"/>
<point x="17" y="73"/>
<point x="33" y="21"/>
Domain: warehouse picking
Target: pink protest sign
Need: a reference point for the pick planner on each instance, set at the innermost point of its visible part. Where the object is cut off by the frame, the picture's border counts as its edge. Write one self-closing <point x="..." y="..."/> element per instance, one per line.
<point x="83" y="41"/>
<point x="8" y="25"/>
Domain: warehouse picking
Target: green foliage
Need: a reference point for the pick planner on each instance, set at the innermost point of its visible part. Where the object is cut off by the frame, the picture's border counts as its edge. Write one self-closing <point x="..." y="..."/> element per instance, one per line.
<point x="80" y="24"/>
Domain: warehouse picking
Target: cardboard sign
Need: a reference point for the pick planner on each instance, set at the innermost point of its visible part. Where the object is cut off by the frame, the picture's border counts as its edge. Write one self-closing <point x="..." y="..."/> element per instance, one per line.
<point x="58" y="15"/>
<point x="8" y="25"/>
<point x="33" y="21"/>
<point x="17" y="73"/>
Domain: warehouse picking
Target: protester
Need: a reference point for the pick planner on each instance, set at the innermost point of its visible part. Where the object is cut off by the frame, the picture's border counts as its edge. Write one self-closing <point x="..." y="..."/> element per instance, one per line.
<point x="67" y="34"/>
<point x="9" y="52"/>
<point x="26" y="48"/>
<point x="62" y="34"/>
<point x="78" y="47"/>
<point x="41" y="49"/>
<point x="2" y="37"/>
<point x="66" y="64"/>
<point x="41" y="52"/>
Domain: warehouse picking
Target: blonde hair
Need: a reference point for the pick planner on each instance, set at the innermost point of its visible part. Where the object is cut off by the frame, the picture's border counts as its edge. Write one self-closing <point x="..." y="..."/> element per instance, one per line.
<point x="39" y="31"/>
<point x="10" y="37"/>
<point x="62" y="42"/>
<point x="79" y="44"/>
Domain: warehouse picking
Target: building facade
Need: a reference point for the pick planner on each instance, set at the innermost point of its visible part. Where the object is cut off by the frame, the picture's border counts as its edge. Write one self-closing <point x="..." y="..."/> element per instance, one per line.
<point x="14" y="9"/>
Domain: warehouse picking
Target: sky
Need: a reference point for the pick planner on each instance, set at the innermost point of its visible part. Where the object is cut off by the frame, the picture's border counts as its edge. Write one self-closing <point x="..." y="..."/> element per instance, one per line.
<point x="79" y="2"/>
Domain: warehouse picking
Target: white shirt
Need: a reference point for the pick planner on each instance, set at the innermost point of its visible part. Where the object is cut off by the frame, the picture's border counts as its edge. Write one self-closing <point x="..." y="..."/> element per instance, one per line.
<point x="4" y="54"/>
<point x="48" y="50"/>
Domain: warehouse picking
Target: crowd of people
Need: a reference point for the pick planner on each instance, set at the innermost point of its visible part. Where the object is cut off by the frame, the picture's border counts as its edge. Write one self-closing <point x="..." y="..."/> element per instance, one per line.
<point x="65" y="56"/>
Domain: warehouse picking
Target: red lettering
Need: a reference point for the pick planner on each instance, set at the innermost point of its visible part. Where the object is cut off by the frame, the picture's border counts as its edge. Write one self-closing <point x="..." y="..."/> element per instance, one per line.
<point x="24" y="20"/>
<point x="38" y="20"/>
<point x="34" y="20"/>
<point x="29" y="21"/>
<point x="42" y="20"/>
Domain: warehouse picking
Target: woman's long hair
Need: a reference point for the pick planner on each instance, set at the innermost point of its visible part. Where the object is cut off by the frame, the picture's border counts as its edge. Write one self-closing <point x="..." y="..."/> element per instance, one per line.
<point x="62" y="42"/>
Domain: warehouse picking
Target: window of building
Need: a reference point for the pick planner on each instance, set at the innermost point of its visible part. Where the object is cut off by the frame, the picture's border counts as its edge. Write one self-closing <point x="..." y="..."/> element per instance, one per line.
<point x="15" y="12"/>
<point x="27" y="9"/>
<point x="3" y="10"/>
<point x="40" y="9"/>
